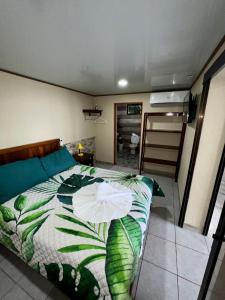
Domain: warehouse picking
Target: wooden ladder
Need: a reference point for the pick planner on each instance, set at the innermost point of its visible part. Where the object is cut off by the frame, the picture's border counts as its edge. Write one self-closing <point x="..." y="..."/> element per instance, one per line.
<point x="179" y="148"/>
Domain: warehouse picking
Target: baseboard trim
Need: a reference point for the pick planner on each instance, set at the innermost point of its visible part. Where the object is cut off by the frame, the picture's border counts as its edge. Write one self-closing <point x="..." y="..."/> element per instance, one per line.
<point x="103" y="162"/>
<point x="159" y="173"/>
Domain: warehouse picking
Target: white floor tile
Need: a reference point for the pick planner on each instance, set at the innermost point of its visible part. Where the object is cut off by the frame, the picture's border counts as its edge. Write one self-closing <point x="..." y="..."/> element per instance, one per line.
<point x="191" y="264"/>
<point x="6" y="284"/>
<point x="161" y="226"/>
<point x="17" y="293"/>
<point x="156" y="284"/>
<point x="35" y="285"/>
<point x="13" y="266"/>
<point x="162" y="209"/>
<point x="191" y="239"/>
<point x="163" y="202"/>
<point x="187" y="289"/>
<point x="161" y="253"/>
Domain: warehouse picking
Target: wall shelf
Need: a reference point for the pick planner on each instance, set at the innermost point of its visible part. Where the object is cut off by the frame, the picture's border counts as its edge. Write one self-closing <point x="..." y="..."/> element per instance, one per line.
<point x="92" y="113"/>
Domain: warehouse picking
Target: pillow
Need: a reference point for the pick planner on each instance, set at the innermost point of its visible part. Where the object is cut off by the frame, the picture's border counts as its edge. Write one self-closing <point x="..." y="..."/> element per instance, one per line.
<point x="19" y="176"/>
<point x="58" y="161"/>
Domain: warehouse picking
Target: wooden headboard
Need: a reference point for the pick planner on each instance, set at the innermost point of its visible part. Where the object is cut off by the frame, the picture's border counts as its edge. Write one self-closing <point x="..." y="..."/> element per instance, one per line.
<point x="28" y="151"/>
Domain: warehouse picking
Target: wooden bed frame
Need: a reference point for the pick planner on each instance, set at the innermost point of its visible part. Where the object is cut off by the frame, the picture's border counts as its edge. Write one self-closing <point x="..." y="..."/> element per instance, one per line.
<point x="38" y="149"/>
<point x="41" y="149"/>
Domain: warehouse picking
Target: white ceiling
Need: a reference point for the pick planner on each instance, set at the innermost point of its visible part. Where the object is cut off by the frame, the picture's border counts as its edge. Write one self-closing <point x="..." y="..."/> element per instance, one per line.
<point x="88" y="45"/>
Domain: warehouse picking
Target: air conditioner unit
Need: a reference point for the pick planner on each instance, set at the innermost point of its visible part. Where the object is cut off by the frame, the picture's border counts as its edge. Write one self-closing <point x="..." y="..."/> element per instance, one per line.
<point x="169" y="97"/>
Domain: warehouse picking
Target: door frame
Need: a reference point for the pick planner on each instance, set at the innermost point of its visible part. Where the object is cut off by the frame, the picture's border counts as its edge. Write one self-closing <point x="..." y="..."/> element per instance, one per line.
<point x="218" y="237"/>
<point x="209" y="74"/>
<point x="215" y="191"/>
<point x="115" y="129"/>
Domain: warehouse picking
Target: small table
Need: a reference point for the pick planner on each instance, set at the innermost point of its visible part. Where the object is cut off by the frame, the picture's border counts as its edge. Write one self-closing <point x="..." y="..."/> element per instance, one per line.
<point x="85" y="159"/>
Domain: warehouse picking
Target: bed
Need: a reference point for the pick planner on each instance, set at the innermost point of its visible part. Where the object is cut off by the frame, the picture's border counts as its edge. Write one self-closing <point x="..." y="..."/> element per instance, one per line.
<point x="86" y="260"/>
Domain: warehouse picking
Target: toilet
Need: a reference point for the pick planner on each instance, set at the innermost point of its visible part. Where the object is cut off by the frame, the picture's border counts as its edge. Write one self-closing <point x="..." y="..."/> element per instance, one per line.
<point x="134" y="143"/>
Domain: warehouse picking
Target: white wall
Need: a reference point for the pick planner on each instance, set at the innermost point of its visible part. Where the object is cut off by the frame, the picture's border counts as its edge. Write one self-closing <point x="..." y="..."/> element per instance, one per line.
<point x="105" y="132"/>
<point x="209" y="154"/>
<point x="32" y="111"/>
<point x="190" y="132"/>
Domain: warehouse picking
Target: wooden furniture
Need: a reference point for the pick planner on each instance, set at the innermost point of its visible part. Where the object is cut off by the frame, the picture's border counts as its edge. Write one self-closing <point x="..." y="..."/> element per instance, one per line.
<point x="92" y="113"/>
<point x="38" y="149"/>
<point x="85" y="159"/>
<point x="146" y="136"/>
<point x="43" y="148"/>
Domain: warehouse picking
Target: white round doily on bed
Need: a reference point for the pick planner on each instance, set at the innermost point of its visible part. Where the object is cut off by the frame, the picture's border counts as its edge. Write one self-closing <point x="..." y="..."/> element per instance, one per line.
<point x="102" y="202"/>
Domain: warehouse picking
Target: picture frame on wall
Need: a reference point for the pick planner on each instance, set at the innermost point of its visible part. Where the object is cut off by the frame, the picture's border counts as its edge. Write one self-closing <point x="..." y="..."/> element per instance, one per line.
<point x="134" y="109"/>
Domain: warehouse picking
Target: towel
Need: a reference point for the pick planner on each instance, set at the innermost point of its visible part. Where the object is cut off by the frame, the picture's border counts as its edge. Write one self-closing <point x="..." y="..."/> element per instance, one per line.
<point x="102" y="202"/>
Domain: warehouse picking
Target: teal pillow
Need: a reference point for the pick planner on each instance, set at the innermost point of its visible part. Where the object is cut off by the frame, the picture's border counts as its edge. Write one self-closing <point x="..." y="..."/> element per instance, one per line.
<point x="19" y="176"/>
<point x="58" y="161"/>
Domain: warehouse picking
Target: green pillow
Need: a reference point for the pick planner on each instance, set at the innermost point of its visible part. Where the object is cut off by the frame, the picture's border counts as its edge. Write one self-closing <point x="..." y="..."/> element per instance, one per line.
<point x="19" y="176"/>
<point x="58" y="161"/>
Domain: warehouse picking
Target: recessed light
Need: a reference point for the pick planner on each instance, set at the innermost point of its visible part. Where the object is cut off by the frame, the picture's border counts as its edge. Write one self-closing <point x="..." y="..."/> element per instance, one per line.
<point x="122" y="83"/>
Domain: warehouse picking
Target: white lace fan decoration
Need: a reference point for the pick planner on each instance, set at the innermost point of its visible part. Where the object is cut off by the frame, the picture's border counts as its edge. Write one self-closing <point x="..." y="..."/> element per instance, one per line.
<point x="102" y="202"/>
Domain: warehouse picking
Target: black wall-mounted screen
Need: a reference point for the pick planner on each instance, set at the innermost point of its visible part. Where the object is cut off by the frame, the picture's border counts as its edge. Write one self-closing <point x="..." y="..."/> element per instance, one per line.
<point x="190" y="108"/>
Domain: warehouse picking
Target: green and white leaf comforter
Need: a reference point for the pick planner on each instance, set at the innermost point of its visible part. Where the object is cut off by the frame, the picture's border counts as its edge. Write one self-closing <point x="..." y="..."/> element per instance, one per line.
<point x="86" y="260"/>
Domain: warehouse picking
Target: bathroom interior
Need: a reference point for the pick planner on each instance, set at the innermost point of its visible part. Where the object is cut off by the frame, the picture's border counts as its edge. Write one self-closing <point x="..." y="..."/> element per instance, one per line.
<point x="129" y="117"/>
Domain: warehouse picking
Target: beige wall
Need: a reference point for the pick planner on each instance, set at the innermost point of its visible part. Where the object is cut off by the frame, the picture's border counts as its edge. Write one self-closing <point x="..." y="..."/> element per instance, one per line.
<point x="105" y="131"/>
<point x="209" y="154"/>
<point x="31" y="111"/>
<point x="190" y="132"/>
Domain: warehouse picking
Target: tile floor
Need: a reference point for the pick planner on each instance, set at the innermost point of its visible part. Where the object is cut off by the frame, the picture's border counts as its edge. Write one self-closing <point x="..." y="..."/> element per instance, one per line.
<point x="172" y="268"/>
<point x="127" y="159"/>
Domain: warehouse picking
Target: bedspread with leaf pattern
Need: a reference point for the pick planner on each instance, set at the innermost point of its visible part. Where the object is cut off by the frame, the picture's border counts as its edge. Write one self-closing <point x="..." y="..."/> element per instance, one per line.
<point x="86" y="260"/>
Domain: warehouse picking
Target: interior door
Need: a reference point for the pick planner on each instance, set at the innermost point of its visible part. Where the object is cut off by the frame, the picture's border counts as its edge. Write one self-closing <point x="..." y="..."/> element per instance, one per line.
<point x="213" y="284"/>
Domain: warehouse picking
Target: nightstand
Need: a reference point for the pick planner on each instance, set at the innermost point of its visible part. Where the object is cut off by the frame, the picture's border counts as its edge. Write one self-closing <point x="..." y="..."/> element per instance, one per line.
<point x="85" y="159"/>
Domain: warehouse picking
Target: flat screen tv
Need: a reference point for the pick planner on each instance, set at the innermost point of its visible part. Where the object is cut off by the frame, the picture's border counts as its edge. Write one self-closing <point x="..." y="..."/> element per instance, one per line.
<point x="190" y="108"/>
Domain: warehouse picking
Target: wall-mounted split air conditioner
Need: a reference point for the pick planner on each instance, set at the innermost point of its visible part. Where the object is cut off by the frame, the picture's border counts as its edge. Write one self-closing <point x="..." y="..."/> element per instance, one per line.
<point x="169" y="97"/>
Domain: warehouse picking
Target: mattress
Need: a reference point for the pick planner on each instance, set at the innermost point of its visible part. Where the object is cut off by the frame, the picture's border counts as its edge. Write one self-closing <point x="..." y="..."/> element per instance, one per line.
<point x="84" y="259"/>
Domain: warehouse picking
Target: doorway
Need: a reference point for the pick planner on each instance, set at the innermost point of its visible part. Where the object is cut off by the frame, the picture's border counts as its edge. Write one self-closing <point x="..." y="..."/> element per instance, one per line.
<point x="205" y="176"/>
<point x="213" y="281"/>
<point x="127" y="134"/>
<point x="217" y="87"/>
<point x="207" y="146"/>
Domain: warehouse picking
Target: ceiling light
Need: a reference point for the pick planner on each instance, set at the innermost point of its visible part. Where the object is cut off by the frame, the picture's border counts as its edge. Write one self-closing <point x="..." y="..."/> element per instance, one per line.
<point x="122" y="83"/>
